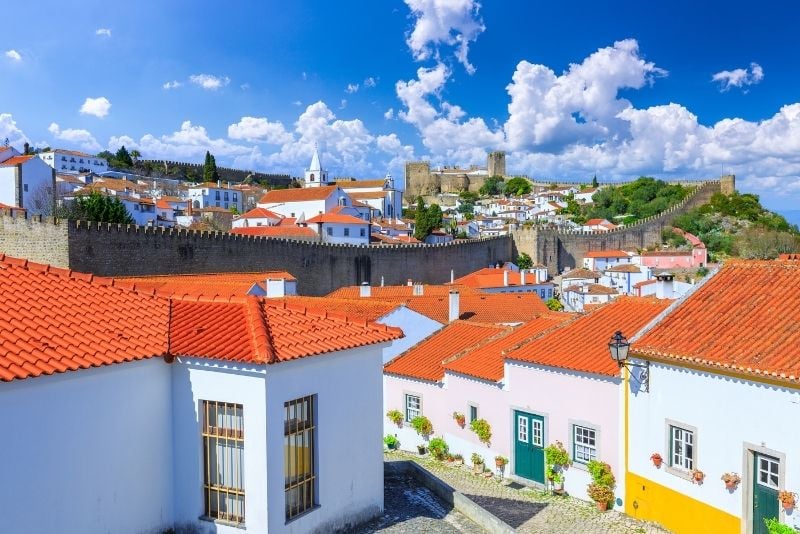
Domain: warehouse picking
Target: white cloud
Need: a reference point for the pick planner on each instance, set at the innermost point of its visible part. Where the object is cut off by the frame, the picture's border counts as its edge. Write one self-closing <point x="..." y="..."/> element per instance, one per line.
<point x="444" y="22"/>
<point x="738" y="77"/>
<point x="98" y="107"/>
<point x="297" y="103"/>
<point x="174" y="84"/>
<point x="259" y="130"/>
<point x="13" y="55"/>
<point x="82" y="138"/>
<point x="9" y="130"/>
<point x="370" y="82"/>
<point x="105" y="32"/>
<point x="351" y="88"/>
<point x="343" y="103"/>
<point x="188" y="143"/>
<point x="389" y="114"/>
<point x="209" y="81"/>
<point x="245" y="87"/>
<point x="304" y="75"/>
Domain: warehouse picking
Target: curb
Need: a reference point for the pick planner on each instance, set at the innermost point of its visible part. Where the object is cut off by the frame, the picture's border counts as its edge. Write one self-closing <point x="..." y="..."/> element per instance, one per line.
<point x="482" y="517"/>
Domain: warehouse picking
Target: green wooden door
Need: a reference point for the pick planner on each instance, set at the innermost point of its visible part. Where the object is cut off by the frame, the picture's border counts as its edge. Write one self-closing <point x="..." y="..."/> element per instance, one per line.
<point x="529" y="446"/>
<point x="765" y="491"/>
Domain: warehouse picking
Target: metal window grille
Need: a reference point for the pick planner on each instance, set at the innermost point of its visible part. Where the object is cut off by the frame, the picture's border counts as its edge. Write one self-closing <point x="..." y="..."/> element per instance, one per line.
<point x="300" y="473"/>
<point x="413" y="407"/>
<point x="585" y="441"/>
<point x="223" y="451"/>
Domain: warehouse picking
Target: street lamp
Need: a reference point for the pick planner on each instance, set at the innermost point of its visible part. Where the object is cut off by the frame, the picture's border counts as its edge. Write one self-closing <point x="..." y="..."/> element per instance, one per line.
<point x="618" y="345"/>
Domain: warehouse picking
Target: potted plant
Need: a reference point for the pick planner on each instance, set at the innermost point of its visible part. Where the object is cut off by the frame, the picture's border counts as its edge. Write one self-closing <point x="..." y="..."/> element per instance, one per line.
<point x="395" y="416"/>
<point x="421" y="449"/>
<point x="422" y="425"/>
<point x="438" y="448"/>
<point x="500" y="461"/>
<point x="601" y="495"/>
<point x="657" y="459"/>
<point x="788" y="499"/>
<point x="460" y="419"/>
<point x="731" y="480"/>
<point x="482" y="428"/>
<point x="391" y="442"/>
<point x="458" y="459"/>
<point x="477" y="463"/>
<point x="556" y="459"/>
<point x="697" y="476"/>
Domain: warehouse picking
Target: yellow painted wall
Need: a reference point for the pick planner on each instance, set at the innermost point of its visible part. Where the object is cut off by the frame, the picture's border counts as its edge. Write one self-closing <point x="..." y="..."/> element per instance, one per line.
<point x="675" y="511"/>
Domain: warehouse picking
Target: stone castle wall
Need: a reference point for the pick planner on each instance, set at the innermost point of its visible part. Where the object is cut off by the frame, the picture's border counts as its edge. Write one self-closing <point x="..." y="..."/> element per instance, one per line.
<point x="225" y="173"/>
<point x="421" y="181"/>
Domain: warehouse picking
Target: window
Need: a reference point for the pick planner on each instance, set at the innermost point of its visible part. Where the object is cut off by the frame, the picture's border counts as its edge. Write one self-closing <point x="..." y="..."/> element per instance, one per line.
<point x="473" y="413"/>
<point x="216" y="196"/>
<point x="537" y="437"/>
<point x="25" y="187"/>
<point x="312" y="177"/>
<point x="330" y="230"/>
<point x="363" y="232"/>
<point x="223" y="451"/>
<point x="413" y="407"/>
<point x="768" y="469"/>
<point x="235" y="197"/>
<point x="347" y="232"/>
<point x="217" y="203"/>
<point x="681" y="448"/>
<point x="298" y="446"/>
<point x="226" y="195"/>
<point x="584" y="444"/>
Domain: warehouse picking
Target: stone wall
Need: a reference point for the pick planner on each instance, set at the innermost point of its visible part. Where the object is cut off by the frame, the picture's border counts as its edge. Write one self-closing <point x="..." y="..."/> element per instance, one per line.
<point x="225" y="173"/>
<point x="43" y="240"/>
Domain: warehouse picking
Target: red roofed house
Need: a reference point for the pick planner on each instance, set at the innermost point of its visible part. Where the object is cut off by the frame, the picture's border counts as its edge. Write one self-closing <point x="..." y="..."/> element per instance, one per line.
<point x="302" y="204"/>
<point x="507" y="280"/>
<point x="724" y="375"/>
<point x="678" y="258"/>
<point x="257" y="217"/>
<point x="138" y="413"/>
<point x="598" y="225"/>
<point x="26" y="182"/>
<point x="340" y="228"/>
<point x="600" y="260"/>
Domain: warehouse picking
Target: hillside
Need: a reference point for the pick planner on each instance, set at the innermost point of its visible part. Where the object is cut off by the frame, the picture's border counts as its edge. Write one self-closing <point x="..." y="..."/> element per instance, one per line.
<point x="739" y="226"/>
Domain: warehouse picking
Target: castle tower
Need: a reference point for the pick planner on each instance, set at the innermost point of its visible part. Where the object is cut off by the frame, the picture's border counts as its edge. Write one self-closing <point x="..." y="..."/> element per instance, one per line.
<point x="315" y="176"/>
<point x="496" y="163"/>
<point x="727" y="184"/>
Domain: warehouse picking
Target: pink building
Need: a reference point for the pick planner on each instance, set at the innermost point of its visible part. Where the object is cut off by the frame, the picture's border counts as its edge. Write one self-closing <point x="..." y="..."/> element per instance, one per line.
<point x="678" y="259"/>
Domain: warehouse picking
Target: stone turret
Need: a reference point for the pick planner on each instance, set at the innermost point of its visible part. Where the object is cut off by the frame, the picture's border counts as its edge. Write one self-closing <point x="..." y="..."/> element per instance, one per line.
<point x="727" y="184"/>
<point x="496" y="163"/>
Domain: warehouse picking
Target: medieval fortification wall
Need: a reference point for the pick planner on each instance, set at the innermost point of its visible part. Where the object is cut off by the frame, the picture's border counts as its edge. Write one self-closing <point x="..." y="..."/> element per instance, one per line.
<point x="225" y="173"/>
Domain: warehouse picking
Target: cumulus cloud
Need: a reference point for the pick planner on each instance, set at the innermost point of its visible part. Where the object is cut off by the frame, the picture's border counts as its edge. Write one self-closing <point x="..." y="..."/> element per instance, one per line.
<point x="82" y="138"/>
<point x="259" y="130"/>
<point x="104" y="32"/>
<point x="370" y="82"/>
<point x="174" y="84"/>
<point x="209" y="82"/>
<point x="99" y="107"/>
<point x="389" y="114"/>
<point x="738" y="77"/>
<point x="453" y="23"/>
<point x="190" y="142"/>
<point x="351" y="88"/>
<point x="9" y="130"/>
<point x="13" y="55"/>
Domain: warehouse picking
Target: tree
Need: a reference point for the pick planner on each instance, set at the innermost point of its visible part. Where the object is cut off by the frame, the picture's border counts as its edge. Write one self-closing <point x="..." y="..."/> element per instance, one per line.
<point x="524" y="261"/>
<point x="135" y="154"/>
<point x="518" y="186"/>
<point x="595" y="183"/>
<point x="122" y="158"/>
<point x="106" y="155"/>
<point x="100" y="208"/>
<point x="210" y="169"/>
<point x="426" y="220"/>
<point x="554" y="305"/>
<point x="492" y="186"/>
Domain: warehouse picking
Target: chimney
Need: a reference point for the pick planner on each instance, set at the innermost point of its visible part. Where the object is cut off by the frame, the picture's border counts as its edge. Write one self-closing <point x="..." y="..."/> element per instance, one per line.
<point x="381" y="281"/>
<point x="276" y="288"/>
<point x="522" y="277"/>
<point x="410" y="282"/>
<point x="454" y="312"/>
<point x="505" y="277"/>
<point x="664" y="286"/>
<point x="219" y="183"/>
<point x="365" y="290"/>
<point x="452" y="276"/>
<point x="418" y="290"/>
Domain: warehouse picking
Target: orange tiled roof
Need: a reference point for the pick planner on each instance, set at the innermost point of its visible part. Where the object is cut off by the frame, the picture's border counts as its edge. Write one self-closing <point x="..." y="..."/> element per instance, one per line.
<point x="667" y="253"/>
<point x="368" y="309"/>
<point x="336" y="218"/>
<point x="606" y="253"/>
<point x="15" y="160"/>
<point x="401" y="293"/>
<point x="208" y="285"/>
<point x="276" y="231"/>
<point x="580" y="273"/>
<point x="625" y="268"/>
<point x="260" y="213"/>
<point x="367" y="195"/>
<point x="789" y="257"/>
<point x="482" y="307"/>
<point x="72" y="153"/>
<point x="424" y="360"/>
<point x="298" y="195"/>
<point x="163" y="204"/>
<point x="344" y="184"/>
<point x="591" y="289"/>
<point x="394" y="240"/>
<point x="493" y="277"/>
<point x="582" y="345"/>
<point x="486" y="361"/>
<point x="743" y="319"/>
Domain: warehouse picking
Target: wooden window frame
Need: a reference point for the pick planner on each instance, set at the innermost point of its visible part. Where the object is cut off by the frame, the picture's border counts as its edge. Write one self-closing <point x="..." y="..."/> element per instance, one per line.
<point x="575" y="443"/>
<point x="230" y="436"/>
<point x="405" y="405"/>
<point x="293" y="428"/>
<point x="672" y="468"/>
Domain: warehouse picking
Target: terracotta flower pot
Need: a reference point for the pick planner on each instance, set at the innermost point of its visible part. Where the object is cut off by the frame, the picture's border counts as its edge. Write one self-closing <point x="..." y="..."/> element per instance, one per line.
<point x="602" y="506"/>
<point x="787" y="505"/>
<point x="731" y="485"/>
<point x="657" y="460"/>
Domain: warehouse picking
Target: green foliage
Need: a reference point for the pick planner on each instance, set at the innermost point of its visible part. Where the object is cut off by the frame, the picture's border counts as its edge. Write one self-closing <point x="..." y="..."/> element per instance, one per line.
<point x="500" y="460"/>
<point x="524" y="261"/>
<point x="100" y="208"/>
<point x="438" y="448"/>
<point x="574" y="209"/>
<point x="601" y="473"/>
<point x="672" y="238"/>
<point x="600" y="493"/>
<point x="518" y="186"/>
<point x="122" y="158"/>
<point x="391" y="441"/>
<point x="468" y="196"/>
<point x="556" y="458"/>
<point x="467" y="204"/>
<point x="426" y="220"/>
<point x="640" y="199"/>
<point x="595" y="183"/>
<point x="483" y="429"/>
<point x="395" y="416"/>
<point x="776" y="527"/>
<point x="422" y="425"/>
<point x="492" y="186"/>
<point x="554" y="305"/>
<point x="210" y="169"/>
<point x="476" y="458"/>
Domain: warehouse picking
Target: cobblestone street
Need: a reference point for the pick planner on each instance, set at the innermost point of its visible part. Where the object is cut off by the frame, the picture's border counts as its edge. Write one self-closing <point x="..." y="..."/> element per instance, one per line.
<point x="527" y="510"/>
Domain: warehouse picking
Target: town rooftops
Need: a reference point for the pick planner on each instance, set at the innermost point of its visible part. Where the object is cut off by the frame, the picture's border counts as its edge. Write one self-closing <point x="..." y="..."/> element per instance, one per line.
<point x="336" y="218"/>
<point x="360" y="184"/>
<point x="260" y="213"/>
<point x="209" y="285"/>
<point x="591" y="289"/>
<point x="580" y="274"/>
<point x="368" y="309"/>
<point x="300" y="232"/>
<point x="667" y="253"/>
<point x="15" y="160"/>
<point x="277" y="196"/>
<point x="789" y="257"/>
<point x="491" y="277"/>
<point x="424" y="360"/>
<point x="56" y="320"/>
<point x="582" y="344"/>
<point x="624" y="268"/>
<point x="744" y="320"/>
<point x="605" y="253"/>
<point x="396" y="292"/>
<point x="495" y="308"/>
<point x="367" y="195"/>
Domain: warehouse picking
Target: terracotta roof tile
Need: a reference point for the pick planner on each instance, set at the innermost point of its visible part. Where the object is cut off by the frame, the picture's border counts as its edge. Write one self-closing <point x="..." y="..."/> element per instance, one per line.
<point x="15" y="160"/>
<point x="367" y="195"/>
<point x="667" y="253"/>
<point x="493" y="277"/>
<point x="424" y="360"/>
<point x="744" y="319"/>
<point x="591" y="289"/>
<point x="208" y="285"/>
<point x="401" y="293"/>
<point x="336" y="218"/>
<point x="486" y="361"/>
<point x="260" y="213"/>
<point x="361" y="184"/>
<point x="582" y="344"/>
<point x="276" y="231"/>
<point x="606" y="253"/>
<point x="298" y="195"/>
<point x="482" y="307"/>
<point x="580" y="273"/>
<point x="625" y="268"/>
<point x="365" y="308"/>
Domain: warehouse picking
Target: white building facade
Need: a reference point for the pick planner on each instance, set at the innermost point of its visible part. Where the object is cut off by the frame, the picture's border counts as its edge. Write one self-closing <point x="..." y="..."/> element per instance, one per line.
<point x="71" y="161"/>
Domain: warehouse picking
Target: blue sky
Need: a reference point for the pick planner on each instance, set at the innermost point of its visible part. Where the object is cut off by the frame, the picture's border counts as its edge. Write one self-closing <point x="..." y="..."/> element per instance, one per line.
<point x="567" y="89"/>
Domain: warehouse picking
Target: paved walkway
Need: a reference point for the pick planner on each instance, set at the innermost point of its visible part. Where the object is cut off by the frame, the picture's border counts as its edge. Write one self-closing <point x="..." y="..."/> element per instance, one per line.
<point x="529" y="510"/>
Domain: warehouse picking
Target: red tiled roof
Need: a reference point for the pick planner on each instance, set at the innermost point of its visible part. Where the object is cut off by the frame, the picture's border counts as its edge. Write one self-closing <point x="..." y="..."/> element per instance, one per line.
<point x="493" y="277"/>
<point x="163" y="204"/>
<point x="582" y="274"/>
<point x="72" y="153"/>
<point x="486" y="361"/>
<point x="394" y="240"/>
<point x="401" y="293"/>
<point x="582" y="344"/>
<point x="625" y="268"/>
<point x="298" y="195"/>
<point x="424" y="360"/>
<point x="260" y="213"/>
<point x="368" y="309"/>
<point x="643" y="283"/>
<point x="209" y="285"/>
<point x="789" y="257"/>
<point x="367" y="195"/>
<point x="276" y="231"/>
<point x="667" y="253"/>
<point x="591" y="289"/>
<point x="606" y="253"/>
<point x="344" y="184"/>
<point x="744" y="319"/>
<point x="482" y="307"/>
<point x="594" y="222"/>
<point x="336" y="218"/>
<point x="15" y="160"/>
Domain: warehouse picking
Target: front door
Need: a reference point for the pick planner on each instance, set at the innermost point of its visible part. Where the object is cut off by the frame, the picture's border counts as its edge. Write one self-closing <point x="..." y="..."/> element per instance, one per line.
<point x="529" y="446"/>
<point x="765" y="491"/>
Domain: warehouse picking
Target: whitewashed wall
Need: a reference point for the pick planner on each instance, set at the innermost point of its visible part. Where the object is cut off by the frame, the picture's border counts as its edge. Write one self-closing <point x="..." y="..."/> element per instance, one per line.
<point x="414" y="325"/>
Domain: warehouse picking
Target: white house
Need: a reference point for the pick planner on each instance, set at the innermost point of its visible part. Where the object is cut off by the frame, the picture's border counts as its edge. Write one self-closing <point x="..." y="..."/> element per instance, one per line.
<point x="382" y="196"/>
<point x="142" y="210"/>
<point x="625" y="276"/>
<point x="339" y="228"/>
<point x="136" y="413"/>
<point x="576" y="297"/>
<point x="26" y="182"/>
<point x="723" y="371"/>
<point x="315" y="176"/>
<point x="304" y="203"/>
<point x="257" y="217"/>
<point x="600" y="260"/>
<point x="215" y="195"/>
<point x="72" y="161"/>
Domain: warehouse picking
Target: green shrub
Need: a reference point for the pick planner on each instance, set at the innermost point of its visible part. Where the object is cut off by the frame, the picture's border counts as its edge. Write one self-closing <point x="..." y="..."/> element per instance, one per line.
<point x="482" y="428"/>
<point x="391" y="441"/>
<point x="395" y="416"/>
<point x="601" y="473"/>
<point x="422" y="425"/>
<point x="438" y="448"/>
<point x="476" y="458"/>
<point x="555" y="459"/>
<point x="776" y="527"/>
